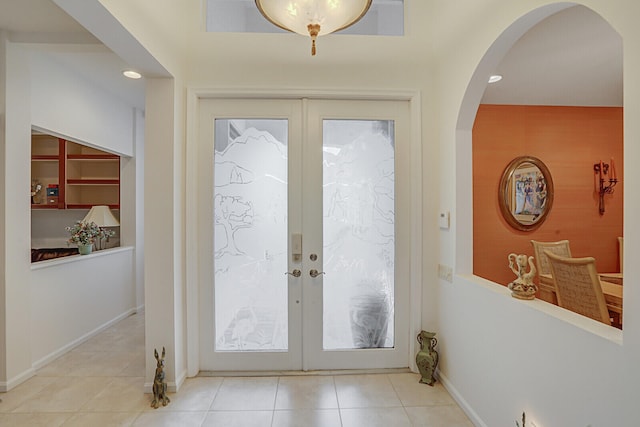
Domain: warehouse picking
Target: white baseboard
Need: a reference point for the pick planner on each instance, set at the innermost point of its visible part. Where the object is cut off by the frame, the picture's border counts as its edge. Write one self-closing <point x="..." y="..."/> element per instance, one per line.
<point x="301" y="373"/>
<point x="17" y="380"/>
<point x="475" y="419"/>
<point x="65" y="349"/>
<point x="181" y="379"/>
<point x="172" y="386"/>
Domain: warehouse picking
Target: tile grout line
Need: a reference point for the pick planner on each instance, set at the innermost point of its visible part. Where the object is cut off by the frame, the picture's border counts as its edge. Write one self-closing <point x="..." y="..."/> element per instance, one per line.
<point x="335" y="390"/>
<point x="275" y="399"/>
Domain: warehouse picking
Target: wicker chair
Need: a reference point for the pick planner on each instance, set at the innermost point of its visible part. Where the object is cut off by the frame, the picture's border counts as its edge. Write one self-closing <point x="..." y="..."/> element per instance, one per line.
<point x="616" y="277"/>
<point x="578" y="286"/>
<point x="546" y="286"/>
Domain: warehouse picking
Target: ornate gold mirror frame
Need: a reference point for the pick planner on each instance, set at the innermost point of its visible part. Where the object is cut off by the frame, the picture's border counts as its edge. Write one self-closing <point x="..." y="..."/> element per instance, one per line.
<point x="525" y="194"/>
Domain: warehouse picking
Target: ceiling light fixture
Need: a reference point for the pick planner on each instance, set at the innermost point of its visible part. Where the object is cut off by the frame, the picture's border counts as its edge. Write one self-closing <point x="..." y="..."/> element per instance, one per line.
<point x="132" y="74"/>
<point x="313" y="17"/>
<point x="495" y="78"/>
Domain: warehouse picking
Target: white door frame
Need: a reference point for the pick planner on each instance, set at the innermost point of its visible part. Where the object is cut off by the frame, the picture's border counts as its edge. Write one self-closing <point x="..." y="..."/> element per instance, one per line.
<point x="194" y="95"/>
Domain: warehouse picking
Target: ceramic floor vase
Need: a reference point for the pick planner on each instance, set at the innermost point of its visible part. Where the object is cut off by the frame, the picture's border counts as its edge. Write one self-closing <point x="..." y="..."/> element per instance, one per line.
<point x="427" y="357"/>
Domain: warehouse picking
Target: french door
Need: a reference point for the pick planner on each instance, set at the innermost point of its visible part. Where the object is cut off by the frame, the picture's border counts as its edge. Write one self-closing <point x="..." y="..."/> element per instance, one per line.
<point x="303" y="223"/>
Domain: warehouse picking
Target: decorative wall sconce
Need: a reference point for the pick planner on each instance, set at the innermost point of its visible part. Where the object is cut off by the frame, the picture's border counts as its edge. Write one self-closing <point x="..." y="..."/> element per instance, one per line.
<point x="601" y="171"/>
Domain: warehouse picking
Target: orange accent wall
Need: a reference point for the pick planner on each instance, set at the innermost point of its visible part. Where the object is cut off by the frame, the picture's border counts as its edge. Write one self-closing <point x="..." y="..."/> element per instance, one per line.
<point x="569" y="140"/>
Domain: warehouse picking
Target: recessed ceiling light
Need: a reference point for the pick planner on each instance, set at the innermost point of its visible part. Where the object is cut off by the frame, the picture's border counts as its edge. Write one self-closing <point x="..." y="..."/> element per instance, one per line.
<point x="132" y="74"/>
<point x="495" y="78"/>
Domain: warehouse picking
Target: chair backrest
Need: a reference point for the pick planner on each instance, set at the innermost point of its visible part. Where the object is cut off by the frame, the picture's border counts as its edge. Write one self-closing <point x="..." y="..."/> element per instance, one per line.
<point x="621" y="250"/>
<point x="561" y="247"/>
<point x="578" y="286"/>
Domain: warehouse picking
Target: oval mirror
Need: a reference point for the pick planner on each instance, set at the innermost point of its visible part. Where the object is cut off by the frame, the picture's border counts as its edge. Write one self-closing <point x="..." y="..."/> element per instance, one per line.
<point x="525" y="193"/>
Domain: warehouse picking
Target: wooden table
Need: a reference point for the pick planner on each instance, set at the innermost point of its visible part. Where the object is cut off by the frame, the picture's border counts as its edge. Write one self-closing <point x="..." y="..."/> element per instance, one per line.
<point x="613" y="296"/>
<point x="611" y="277"/>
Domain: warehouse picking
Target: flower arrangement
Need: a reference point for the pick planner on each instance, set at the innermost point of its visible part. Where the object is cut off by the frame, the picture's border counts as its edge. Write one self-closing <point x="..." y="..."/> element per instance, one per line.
<point x="83" y="233"/>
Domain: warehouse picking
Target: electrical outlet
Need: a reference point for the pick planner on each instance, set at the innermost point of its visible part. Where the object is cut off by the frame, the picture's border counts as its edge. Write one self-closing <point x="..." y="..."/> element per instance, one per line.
<point x="445" y="273"/>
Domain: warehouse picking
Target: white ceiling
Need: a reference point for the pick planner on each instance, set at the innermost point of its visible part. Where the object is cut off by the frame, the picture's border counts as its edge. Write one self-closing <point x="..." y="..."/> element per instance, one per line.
<point x="571" y="58"/>
<point x="36" y="16"/>
<point x="45" y="27"/>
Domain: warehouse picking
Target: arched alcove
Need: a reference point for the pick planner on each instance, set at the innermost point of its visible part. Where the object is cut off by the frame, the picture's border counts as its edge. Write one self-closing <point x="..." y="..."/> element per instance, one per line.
<point x="507" y="334"/>
<point x="467" y="116"/>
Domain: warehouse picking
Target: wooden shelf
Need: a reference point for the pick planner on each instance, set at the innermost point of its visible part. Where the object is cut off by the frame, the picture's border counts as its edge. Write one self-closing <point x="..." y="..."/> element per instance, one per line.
<point x="92" y="157"/>
<point x="43" y="206"/>
<point x="47" y="168"/>
<point x="85" y="206"/>
<point x="45" y="158"/>
<point x="90" y="181"/>
<point x="85" y="176"/>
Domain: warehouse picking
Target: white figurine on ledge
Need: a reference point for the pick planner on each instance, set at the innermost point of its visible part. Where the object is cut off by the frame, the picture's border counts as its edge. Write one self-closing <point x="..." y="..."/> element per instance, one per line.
<point x="523" y="287"/>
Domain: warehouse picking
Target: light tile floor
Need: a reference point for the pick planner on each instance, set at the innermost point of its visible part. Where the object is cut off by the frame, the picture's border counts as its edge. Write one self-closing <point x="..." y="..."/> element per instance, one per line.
<point x="100" y="383"/>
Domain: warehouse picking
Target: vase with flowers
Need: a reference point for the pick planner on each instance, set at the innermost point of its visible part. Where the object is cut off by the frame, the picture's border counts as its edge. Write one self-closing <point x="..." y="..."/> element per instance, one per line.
<point x="84" y="235"/>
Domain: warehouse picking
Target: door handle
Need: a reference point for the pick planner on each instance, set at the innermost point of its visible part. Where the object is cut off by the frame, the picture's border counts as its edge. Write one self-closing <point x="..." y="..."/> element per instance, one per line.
<point x="315" y="273"/>
<point x="294" y="273"/>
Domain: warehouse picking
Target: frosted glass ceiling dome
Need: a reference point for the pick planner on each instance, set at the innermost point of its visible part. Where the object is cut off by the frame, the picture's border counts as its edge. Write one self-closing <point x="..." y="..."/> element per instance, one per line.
<point x="313" y="17"/>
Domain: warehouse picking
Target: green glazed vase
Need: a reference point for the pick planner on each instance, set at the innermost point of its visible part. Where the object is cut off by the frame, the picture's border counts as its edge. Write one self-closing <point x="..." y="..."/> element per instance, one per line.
<point x="427" y="357"/>
<point x="85" y="249"/>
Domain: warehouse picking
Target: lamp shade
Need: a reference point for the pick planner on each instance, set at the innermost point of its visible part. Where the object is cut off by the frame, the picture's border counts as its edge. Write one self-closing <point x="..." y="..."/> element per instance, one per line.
<point x="102" y="216"/>
<point x="313" y="17"/>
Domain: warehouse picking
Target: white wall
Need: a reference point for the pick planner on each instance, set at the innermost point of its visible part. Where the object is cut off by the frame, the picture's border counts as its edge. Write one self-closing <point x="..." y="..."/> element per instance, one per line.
<point x="75" y="297"/>
<point x="37" y="298"/>
<point x="48" y="227"/>
<point x="499" y="356"/>
<point x="132" y="206"/>
<point x="65" y="103"/>
<point x="164" y="284"/>
<point x="3" y="98"/>
<point x="16" y="219"/>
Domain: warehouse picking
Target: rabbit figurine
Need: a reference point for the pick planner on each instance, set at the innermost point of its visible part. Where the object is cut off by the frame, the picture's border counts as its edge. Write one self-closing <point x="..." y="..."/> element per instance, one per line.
<point x="159" y="385"/>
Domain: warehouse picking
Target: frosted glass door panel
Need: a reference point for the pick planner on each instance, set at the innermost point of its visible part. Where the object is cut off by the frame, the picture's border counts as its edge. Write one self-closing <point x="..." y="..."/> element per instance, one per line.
<point x="250" y="235"/>
<point x="358" y="234"/>
<point x="304" y="234"/>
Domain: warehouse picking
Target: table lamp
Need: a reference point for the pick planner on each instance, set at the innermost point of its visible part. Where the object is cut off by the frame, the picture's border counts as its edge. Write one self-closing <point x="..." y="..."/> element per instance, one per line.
<point x="103" y="217"/>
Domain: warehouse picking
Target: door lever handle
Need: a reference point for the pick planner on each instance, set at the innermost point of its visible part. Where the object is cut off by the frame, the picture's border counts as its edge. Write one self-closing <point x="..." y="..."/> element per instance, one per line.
<point x="315" y="273"/>
<point x="294" y="273"/>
